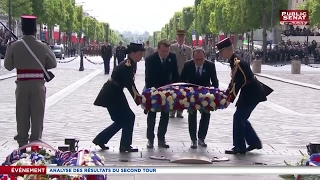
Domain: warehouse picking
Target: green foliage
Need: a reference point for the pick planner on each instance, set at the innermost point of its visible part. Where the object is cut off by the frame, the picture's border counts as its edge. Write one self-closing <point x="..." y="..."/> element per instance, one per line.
<point x="64" y="13"/>
<point x="231" y="16"/>
<point x="313" y="7"/>
<point x="18" y="7"/>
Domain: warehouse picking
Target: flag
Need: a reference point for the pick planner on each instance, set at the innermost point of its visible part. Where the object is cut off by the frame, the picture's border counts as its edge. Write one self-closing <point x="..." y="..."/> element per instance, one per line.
<point x="74" y="37"/>
<point x="81" y="38"/>
<point x="56" y="32"/>
<point x="194" y="39"/>
<point x="200" y="41"/>
<point x="221" y="36"/>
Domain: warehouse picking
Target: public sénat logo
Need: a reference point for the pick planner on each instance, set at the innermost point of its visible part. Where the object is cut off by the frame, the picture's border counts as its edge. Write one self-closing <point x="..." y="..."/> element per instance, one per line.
<point x="294" y="17"/>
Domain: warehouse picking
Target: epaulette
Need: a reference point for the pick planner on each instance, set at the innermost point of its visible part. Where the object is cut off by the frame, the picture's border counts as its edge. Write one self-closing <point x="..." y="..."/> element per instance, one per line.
<point x="236" y="61"/>
<point x="128" y="63"/>
<point x="11" y="42"/>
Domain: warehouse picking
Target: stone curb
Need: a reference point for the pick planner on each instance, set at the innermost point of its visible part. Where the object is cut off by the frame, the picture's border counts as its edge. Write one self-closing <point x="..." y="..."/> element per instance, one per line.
<point x="7" y="76"/>
<point x="311" y="86"/>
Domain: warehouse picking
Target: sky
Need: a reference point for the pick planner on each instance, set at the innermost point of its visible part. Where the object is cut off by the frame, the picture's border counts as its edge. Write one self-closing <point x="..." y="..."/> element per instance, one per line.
<point x="134" y="15"/>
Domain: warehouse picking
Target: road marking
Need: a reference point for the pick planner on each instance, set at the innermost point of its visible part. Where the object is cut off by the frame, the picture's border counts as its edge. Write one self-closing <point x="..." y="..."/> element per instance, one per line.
<point x="277" y="107"/>
<point x="53" y="99"/>
<point x="7" y="76"/>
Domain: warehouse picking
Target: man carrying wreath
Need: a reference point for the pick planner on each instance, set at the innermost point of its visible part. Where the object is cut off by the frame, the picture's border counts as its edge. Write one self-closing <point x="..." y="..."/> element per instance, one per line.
<point x="252" y="93"/>
<point x="201" y="72"/>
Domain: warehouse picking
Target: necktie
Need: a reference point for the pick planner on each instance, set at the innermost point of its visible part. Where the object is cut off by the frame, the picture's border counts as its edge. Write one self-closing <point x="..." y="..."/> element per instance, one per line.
<point x="198" y="71"/>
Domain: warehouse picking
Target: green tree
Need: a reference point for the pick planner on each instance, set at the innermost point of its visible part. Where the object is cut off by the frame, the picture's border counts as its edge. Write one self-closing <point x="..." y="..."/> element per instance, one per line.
<point x="313" y="7"/>
<point x="18" y="7"/>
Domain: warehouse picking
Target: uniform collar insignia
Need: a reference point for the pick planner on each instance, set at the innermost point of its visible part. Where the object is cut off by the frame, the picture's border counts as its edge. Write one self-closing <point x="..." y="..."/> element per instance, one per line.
<point x="128" y="62"/>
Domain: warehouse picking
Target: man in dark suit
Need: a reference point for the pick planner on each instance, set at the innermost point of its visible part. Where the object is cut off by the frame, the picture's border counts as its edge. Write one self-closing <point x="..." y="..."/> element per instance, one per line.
<point x="106" y="54"/>
<point x="161" y="69"/>
<point x="252" y="93"/>
<point x="113" y="98"/>
<point x="203" y="73"/>
<point x="120" y="53"/>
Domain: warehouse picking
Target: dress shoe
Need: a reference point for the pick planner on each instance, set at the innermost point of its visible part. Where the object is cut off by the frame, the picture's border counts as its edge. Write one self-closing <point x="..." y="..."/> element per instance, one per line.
<point x="128" y="149"/>
<point x="101" y="145"/>
<point x="194" y="144"/>
<point x="179" y="116"/>
<point x="202" y="143"/>
<point x="163" y="144"/>
<point x="253" y="147"/>
<point x="150" y="144"/>
<point x="235" y="151"/>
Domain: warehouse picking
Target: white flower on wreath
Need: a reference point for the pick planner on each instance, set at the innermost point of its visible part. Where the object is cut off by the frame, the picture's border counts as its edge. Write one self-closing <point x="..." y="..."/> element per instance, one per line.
<point x="197" y="106"/>
<point x="223" y="101"/>
<point x="192" y="99"/>
<point x="170" y="100"/>
<point x="213" y="104"/>
<point x="153" y="101"/>
<point x="174" y="95"/>
<point x="144" y="99"/>
<point x="204" y="103"/>
<point x="201" y="95"/>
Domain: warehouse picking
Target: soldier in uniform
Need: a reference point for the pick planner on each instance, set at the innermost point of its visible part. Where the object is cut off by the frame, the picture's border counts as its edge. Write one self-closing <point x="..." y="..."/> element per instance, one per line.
<point x="113" y="98"/>
<point x="149" y="50"/>
<point x="106" y="54"/>
<point x="252" y="93"/>
<point x="30" y="91"/>
<point x="183" y="53"/>
<point x="120" y="53"/>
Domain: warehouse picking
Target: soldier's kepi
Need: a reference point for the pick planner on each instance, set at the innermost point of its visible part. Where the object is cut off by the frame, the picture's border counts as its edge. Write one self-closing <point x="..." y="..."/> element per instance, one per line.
<point x="113" y="98"/>
<point x="31" y="91"/>
<point x="252" y="93"/>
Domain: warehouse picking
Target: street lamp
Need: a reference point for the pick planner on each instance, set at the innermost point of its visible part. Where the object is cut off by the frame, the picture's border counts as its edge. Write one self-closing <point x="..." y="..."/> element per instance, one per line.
<point x="10" y="14"/>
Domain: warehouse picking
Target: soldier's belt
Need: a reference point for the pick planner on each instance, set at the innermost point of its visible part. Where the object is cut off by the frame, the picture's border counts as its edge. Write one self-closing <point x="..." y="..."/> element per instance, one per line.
<point x="30" y="76"/>
<point x="114" y="82"/>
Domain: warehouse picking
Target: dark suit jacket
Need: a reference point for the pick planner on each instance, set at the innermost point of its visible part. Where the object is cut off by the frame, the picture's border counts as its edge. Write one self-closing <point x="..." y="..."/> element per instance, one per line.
<point x="160" y="74"/>
<point x="252" y="91"/>
<point x="106" y="52"/>
<point x="208" y="76"/>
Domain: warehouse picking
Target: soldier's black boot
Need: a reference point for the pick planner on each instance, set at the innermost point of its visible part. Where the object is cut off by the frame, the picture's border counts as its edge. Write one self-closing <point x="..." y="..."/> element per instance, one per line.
<point x="101" y="145"/>
<point x="128" y="149"/>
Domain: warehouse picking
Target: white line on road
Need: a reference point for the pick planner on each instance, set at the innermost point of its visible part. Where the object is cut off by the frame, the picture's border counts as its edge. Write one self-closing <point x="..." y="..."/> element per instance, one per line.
<point x="7" y="76"/>
<point x="69" y="89"/>
<point x="276" y="107"/>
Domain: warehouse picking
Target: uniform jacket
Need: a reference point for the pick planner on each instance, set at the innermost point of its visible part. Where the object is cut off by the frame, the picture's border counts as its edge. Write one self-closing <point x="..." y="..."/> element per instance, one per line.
<point x="18" y="56"/>
<point x="183" y="54"/>
<point x="121" y="52"/>
<point x="106" y="52"/>
<point x="208" y="76"/>
<point x="252" y="91"/>
<point x="160" y="74"/>
<point x="111" y="94"/>
<point x="148" y="52"/>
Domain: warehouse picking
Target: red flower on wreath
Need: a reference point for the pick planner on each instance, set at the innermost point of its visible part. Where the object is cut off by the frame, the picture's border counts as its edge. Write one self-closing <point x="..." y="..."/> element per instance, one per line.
<point x="35" y="148"/>
<point x="92" y="177"/>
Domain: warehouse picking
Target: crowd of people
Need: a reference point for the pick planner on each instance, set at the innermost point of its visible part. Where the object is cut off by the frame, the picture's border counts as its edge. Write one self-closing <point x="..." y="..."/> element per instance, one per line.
<point x="299" y="31"/>
<point x="284" y="52"/>
<point x="4" y="38"/>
